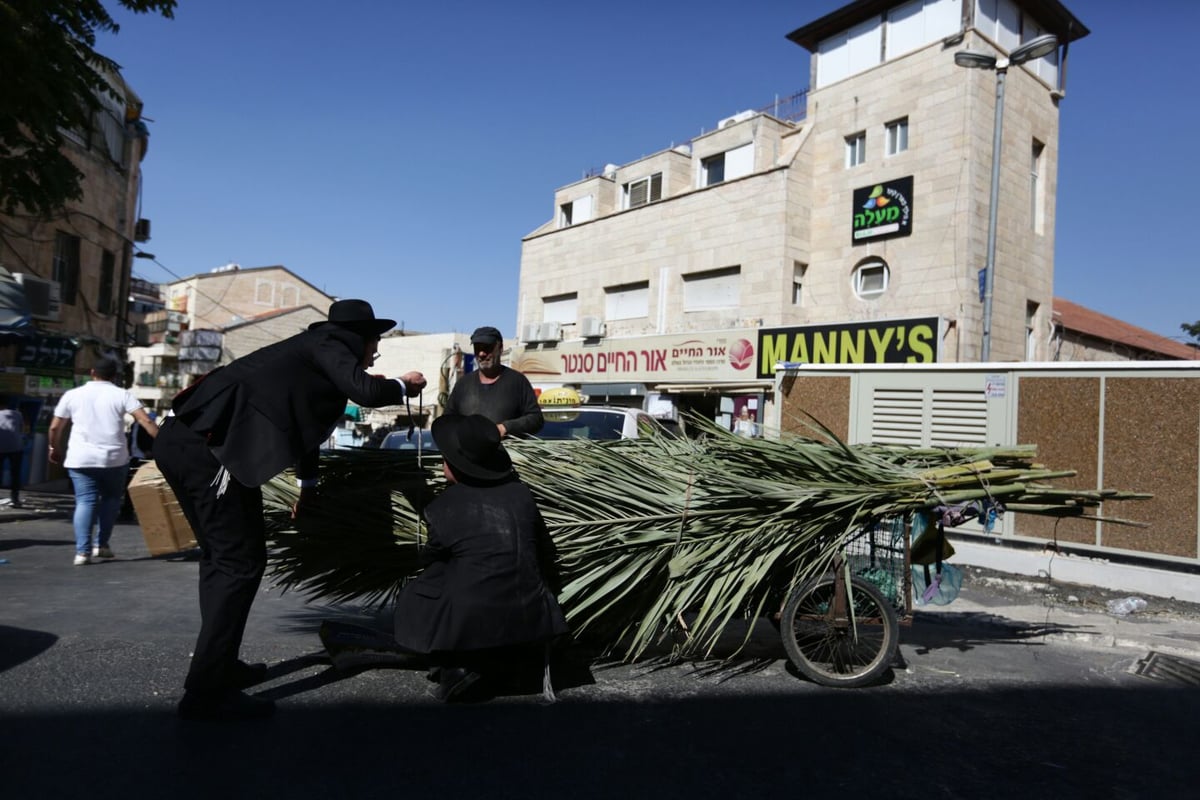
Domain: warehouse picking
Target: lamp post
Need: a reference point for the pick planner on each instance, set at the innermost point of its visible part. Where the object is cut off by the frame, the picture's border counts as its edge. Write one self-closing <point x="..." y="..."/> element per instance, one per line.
<point x="1034" y="48"/>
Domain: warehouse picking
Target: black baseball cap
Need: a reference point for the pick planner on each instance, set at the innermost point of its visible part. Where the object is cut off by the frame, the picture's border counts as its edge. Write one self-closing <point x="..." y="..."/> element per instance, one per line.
<point x="486" y="335"/>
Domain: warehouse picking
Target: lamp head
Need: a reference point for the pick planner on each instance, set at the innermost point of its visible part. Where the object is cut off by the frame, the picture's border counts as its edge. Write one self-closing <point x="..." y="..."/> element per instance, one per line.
<point x="1035" y="48"/>
<point x="973" y="60"/>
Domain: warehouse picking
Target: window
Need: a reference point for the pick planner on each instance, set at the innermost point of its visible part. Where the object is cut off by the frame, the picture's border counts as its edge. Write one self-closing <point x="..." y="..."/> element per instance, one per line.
<point x="108" y="267"/>
<point x="640" y="192"/>
<point x="1031" y="310"/>
<point x="712" y="170"/>
<point x="290" y="296"/>
<point x="851" y="52"/>
<point x="915" y="24"/>
<point x="563" y="308"/>
<point x="856" y="149"/>
<point x="66" y="266"/>
<point x="577" y="211"/>
<point x="1037" y="189"/>
<point x="264" y="293"/>
<point x="870" y="279"/>
<point x="629" y="301"/>
<point x="728" y="165"/>
<point x="798" y="271"/>
<point x="712" y="289"/>
<point x="897" y="136"/>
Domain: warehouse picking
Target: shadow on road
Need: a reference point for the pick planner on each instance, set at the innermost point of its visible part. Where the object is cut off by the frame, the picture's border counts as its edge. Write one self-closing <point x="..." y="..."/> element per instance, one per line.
<point x="1054" y="742"/>
<point x="18" y="645"/>
<point x="965" y="631"/>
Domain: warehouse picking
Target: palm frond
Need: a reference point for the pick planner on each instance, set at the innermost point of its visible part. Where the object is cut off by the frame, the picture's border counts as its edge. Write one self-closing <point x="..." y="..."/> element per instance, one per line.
<point x="652" y="528"/>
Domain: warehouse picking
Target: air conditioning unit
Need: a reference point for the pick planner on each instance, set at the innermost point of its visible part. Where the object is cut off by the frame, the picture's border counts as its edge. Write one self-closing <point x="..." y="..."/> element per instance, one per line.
<point x="591" y="327"/>
<point x="44" y="297"/>
<point x="530" y="332"/>
<point x="549" y="332"/>
<point x="741" y="116"/>
<point x="141" y="230"/>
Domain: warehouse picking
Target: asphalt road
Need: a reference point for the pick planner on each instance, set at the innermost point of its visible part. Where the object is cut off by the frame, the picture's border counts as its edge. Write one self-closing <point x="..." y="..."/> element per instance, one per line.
<point x="92" y="660"/>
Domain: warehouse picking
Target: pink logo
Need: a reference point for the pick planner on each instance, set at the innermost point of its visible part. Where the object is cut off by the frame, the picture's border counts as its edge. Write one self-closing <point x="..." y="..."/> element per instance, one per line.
<point x="741" y="355"/>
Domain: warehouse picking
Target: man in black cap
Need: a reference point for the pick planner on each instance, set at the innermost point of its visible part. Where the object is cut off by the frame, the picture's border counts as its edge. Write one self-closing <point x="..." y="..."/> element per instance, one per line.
<point x="499" y="393"/>
<point x="234" y="430"/>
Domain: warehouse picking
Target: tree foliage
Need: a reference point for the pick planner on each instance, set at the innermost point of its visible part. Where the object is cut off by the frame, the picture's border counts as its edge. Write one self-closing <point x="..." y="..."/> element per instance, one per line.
<point x="1192" y="329"/>
<point x="52" y="82"/>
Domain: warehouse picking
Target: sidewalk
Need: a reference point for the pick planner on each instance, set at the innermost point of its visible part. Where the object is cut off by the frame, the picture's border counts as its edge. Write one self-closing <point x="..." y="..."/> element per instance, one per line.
<point x="1072" y="613"/>
<point x="50" y="500"/>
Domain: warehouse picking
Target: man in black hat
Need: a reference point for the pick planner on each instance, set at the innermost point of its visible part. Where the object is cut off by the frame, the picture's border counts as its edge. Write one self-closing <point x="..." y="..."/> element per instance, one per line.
<point x="233" y="431"/>
<point x="499" y="393"/>
<point x="487" y="592"/>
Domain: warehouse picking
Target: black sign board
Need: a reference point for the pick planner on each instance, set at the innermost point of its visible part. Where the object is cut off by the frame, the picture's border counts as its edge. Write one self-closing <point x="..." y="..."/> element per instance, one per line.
<point x="904" y="341"/>
<point x="47" y="354"/>
<point x="882" y="211"/>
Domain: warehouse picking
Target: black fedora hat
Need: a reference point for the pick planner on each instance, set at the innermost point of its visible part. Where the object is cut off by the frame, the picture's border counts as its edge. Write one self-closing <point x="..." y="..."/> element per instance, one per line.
<point x="355" y="315"/>
<point x="472" y="446"/>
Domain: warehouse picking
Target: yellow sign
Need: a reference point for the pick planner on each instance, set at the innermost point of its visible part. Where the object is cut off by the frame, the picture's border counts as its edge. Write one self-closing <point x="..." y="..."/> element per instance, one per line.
<point x="562" y="396"/>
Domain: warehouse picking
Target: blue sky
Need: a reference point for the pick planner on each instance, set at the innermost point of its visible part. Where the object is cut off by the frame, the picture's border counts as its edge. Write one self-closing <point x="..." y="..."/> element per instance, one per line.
<point x="399" y="151"/>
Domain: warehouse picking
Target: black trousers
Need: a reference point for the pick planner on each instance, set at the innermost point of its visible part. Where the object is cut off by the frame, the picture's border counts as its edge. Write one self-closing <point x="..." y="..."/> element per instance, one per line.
<point x="13" y="460"/>
<point x="228" y="523"/>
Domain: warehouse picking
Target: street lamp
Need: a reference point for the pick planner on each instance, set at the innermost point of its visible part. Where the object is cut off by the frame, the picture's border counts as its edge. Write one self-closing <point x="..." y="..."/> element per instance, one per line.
<point x="1034" y="48"/>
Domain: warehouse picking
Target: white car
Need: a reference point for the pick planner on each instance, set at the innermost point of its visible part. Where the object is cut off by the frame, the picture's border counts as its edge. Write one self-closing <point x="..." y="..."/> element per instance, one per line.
<point x="402" y="440"/>
<point x="600" y="423"/>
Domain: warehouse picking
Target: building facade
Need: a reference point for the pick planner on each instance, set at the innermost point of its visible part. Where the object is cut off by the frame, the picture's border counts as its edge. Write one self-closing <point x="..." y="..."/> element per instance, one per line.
<point x="214" y="317"/>
<point x="855" y="232"/>
<point x="65" y="279"/>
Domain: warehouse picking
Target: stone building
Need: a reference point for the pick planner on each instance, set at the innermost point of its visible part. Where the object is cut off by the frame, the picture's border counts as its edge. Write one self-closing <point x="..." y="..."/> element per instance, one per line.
<point x="853" y="230"/>
<point x="65" y="279"/>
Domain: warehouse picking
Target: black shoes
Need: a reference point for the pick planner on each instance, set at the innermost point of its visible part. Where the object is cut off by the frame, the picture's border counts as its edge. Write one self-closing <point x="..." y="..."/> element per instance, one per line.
<point x="453" y="683"/>
<point x="226" y="706"/>
<point x="247" y="675"/>
<point x="230" y="704"/>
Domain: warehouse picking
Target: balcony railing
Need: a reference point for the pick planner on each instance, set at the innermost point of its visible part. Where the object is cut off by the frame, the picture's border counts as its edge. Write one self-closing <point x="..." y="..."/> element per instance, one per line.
<point x="163" y="380"/>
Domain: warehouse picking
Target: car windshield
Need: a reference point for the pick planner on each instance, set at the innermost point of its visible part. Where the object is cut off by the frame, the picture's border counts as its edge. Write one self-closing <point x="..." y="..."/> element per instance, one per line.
<point x="400" y="440"/>
<point x="582" y="424"/>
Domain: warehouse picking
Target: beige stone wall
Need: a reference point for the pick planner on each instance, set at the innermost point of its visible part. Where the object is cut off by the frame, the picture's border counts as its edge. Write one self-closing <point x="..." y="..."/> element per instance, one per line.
<point x="244" y="339"/>
<point x="219" y="299"/>
<point x="799" y="208"/>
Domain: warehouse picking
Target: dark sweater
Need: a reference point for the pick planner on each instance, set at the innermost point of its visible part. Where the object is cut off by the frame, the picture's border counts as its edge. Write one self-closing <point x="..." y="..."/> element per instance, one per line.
<point x="509" y="400"/>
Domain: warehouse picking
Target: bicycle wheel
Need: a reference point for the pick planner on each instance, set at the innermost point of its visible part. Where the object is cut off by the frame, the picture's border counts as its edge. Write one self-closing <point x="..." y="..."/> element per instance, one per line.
<point x="852" y="651"/>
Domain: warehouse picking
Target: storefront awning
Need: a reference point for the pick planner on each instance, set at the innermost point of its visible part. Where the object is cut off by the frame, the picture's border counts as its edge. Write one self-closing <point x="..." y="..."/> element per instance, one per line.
<point x="715" y="388"/>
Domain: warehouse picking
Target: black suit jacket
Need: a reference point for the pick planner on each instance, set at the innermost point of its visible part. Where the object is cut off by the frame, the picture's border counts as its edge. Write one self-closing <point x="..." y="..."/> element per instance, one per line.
<point x="490" y="580"/>
<point x="273" y="408"/>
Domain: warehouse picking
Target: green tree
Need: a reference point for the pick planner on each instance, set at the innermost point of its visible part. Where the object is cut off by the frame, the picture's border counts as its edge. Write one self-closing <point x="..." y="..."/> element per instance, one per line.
<point x="1191" y="329"/>
<point x="52" y="80"/>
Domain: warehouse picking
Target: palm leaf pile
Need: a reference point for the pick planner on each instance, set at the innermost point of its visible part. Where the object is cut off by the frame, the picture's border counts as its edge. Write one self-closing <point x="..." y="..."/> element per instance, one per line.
<point x="649" y="529"/>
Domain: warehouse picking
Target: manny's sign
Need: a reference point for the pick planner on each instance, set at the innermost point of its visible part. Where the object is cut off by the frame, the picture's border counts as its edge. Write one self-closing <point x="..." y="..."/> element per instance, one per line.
<point x="875" y="342"/>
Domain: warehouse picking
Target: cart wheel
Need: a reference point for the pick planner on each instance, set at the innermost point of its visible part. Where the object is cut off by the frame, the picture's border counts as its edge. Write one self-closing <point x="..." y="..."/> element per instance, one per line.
<point x="850" y="652"/>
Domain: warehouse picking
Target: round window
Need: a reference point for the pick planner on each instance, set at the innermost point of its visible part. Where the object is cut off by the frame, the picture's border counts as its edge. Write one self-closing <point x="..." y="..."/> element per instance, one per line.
<point x="870" y="278"/>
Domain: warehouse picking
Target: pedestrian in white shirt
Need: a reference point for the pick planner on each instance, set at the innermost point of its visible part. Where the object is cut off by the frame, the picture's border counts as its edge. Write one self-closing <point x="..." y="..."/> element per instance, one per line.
<point x="97" y="454"/>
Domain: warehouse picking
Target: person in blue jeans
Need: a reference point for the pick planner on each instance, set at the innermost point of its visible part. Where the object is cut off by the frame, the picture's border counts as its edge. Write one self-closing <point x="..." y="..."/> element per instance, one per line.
<point x="97" y="454"/>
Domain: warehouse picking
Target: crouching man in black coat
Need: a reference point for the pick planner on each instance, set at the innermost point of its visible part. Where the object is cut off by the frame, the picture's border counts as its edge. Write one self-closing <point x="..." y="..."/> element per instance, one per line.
<point x="488" y="587"/>
<point x="234" y="430"/>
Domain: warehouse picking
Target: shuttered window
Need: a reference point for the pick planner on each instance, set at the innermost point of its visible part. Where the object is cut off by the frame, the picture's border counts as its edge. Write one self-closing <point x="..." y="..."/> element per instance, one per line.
<point x="641" y="192"/>
<point x="929" y="417"/>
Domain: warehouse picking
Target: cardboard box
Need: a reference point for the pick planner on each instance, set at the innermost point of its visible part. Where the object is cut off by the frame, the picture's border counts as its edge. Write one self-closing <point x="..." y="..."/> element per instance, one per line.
<point x="164" y="527"/>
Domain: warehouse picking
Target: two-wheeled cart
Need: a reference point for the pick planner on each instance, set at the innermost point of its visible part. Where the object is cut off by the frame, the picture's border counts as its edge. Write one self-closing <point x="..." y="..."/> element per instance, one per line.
<point x="842" y="628"/>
